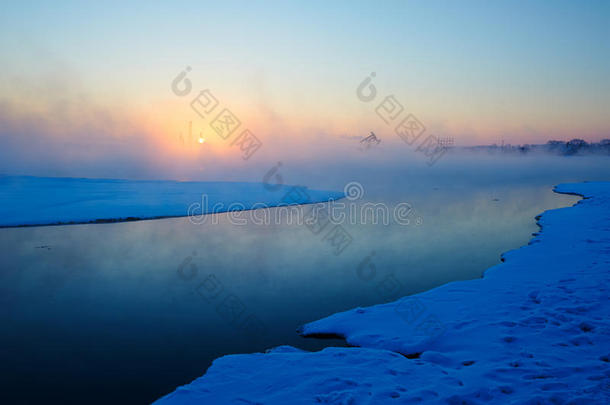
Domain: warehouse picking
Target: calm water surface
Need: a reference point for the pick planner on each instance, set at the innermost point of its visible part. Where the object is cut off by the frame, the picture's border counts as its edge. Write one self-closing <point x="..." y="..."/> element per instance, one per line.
<point x="126" y="312"/>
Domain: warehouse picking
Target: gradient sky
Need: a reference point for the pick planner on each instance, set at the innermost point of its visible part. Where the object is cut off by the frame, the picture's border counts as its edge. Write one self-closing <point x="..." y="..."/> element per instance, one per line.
<point x="480" y="71"/>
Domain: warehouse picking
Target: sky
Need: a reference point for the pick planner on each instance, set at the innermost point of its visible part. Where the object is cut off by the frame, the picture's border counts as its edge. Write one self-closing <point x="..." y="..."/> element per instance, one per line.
<point x="86" y="88"/>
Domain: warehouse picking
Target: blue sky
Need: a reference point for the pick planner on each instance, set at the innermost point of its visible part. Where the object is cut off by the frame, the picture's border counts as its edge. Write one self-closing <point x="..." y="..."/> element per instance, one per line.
<point x="480" y="71"/>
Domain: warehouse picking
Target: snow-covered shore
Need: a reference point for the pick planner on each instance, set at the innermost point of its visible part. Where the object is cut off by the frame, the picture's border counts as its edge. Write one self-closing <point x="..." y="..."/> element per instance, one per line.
<point x="28" y="200"/>
<point x="534" y="329"/>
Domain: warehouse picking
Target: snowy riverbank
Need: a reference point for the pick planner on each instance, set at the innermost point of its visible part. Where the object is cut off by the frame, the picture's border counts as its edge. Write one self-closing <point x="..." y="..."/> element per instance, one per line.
<point x="535" y="328"/>
<point x="28" y="200"/>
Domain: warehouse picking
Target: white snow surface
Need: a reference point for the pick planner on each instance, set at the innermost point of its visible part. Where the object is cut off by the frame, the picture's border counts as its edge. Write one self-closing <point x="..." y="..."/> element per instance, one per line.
<point x="535" y="329"/>
<point x="28" y="200"/>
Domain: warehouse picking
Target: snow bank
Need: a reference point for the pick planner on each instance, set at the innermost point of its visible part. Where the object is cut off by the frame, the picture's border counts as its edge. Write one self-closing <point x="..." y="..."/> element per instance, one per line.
<point x="44" y="201"/>
<point x="535" y="329"/>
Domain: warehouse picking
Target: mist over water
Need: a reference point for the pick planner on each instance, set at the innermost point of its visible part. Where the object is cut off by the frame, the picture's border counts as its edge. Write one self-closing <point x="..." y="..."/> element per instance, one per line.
<point x="127" y="298"/>
<point x="126" y="312"/>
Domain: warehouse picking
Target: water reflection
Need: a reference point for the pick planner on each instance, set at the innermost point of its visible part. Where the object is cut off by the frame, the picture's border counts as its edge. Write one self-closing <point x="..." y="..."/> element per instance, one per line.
<point x="132" y="310"/>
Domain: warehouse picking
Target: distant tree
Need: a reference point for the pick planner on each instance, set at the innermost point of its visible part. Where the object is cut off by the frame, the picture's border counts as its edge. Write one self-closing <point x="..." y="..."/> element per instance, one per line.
<point x="556" y="146"/>
<point x="575" y="145"/>
<point x="577" y="142"/>
<point x="604" y="146"/>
